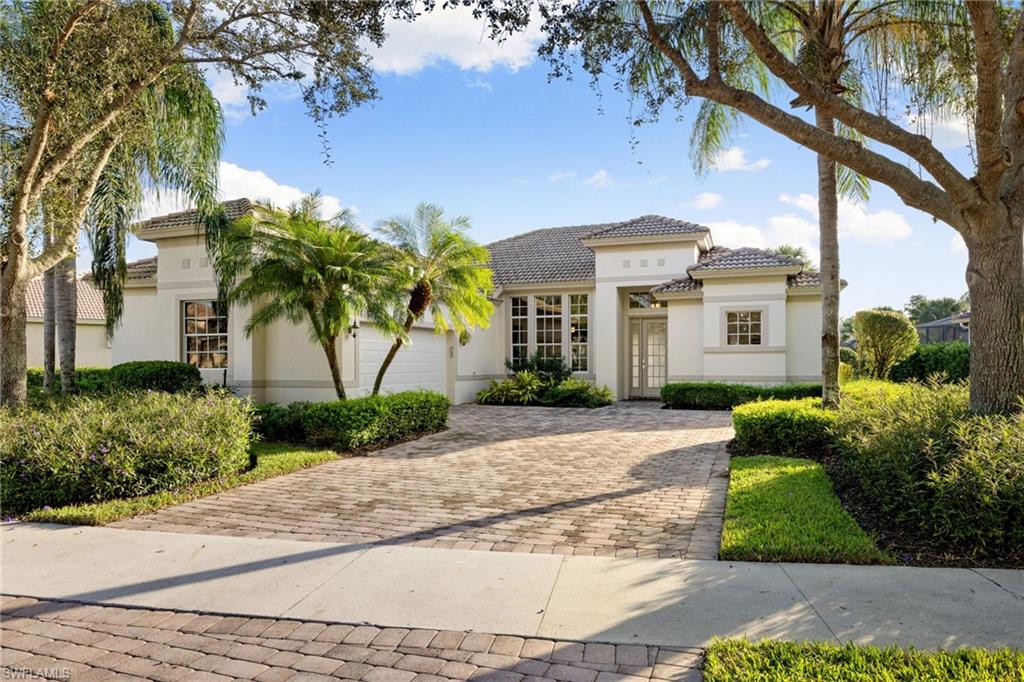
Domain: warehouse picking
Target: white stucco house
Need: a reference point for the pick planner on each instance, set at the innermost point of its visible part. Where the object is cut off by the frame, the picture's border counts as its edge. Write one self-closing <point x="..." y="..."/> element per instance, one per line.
<point x="631" y="305"/>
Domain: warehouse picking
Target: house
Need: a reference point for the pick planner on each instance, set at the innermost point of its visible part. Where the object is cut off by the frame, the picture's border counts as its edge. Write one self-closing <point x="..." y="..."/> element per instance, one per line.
<point x="631" y="305"/>
<point x="953" y="328"/>
<point x="92" y="348"/>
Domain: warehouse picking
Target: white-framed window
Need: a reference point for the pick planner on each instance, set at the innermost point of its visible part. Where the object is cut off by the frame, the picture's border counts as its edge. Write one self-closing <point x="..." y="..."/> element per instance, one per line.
<point x="579" y="332"/>
<point x="205" y="334"/>
<point x="548" y="314"/>
<point x="743" y="328"/>
<point x="520" y="329"/>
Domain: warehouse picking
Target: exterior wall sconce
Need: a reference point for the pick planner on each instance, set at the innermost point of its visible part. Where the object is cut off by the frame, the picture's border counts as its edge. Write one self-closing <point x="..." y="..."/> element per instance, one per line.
<point x="353" y="330"/>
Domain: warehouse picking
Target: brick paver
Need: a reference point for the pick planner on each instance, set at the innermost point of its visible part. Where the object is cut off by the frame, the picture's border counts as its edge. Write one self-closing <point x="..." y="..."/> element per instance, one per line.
<point x="626" y="480"/>
<point x="40" y="639"/>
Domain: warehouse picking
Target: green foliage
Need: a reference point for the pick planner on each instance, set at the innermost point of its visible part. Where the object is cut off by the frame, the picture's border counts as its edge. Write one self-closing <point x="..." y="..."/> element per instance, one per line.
<point x="272" y="459"/>
<point x="374" y="421"/>
<point x="156" y="375"/>
<point x="522" y="388"/>
<point x="85" y="449"/>
<point x="784" y="509"/>
<point x="706" y="395"/>
<point x="923" y="309"/>
<point x="577" y="393"/>
<point x="527" y="388"/>
<point x="783" y="427"/>
<point x="848" y="355"/>
<point x="952" y="360"/>
<point x="884" y="337"/>
<point x="738" y="660"/>
<point x="917" y="454"/>
<point x="549" y="370"/>
<point x="280" y="423"/>
<point x="846" y="373"/>
<point x="88" y="381"/>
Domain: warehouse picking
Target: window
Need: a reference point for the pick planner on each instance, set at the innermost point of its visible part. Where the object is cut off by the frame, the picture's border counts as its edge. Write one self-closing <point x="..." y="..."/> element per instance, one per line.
<point x="579" y="331"/>
<point x="206" y="334"/>
<point x="520" y="330"/>
<point x="743" y="328"/>
<point x="549" y="325"/>
<point x="644" y="300"/>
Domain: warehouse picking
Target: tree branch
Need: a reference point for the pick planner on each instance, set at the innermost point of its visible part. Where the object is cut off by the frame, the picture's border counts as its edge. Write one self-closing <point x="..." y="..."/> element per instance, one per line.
<point x="918" y="147"/>
<point x="992" y="157"/>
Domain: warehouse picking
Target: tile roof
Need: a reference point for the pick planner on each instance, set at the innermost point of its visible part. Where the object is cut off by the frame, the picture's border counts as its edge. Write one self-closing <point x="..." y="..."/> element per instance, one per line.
<point x="645" y="226"/>
<point x="746" y="258"/>
<point x="142" y="269"/>
<point x="554" y="254"/>
<point x="233" y="208"/>
<point x="90" y="300"/>
<point x="806" y="279"/>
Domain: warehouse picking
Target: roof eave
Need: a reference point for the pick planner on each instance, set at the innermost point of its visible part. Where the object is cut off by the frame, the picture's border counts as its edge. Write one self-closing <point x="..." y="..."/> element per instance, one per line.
<point x="688" y="237"/>
<point x="723" y="273"/>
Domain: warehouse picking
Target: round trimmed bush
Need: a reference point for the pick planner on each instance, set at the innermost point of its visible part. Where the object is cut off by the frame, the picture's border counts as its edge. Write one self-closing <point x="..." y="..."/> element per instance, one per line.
<point x="156" y="375"/>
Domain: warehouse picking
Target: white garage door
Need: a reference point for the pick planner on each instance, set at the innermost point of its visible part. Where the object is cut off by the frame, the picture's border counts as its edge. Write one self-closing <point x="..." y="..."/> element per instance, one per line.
<point x="421" y="364"/>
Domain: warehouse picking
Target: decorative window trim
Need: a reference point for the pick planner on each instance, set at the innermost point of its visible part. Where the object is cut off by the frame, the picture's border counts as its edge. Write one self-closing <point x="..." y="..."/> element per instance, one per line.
<point x="202" y="338"/>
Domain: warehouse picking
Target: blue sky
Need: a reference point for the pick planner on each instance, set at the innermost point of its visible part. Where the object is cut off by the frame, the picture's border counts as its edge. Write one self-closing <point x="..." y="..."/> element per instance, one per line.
<point x="479" y="129"/>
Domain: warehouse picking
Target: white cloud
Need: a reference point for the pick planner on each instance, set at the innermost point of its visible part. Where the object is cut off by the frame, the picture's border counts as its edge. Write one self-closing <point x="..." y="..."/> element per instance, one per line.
<point x="452" y="36"/>
<point x="733" y="234"/>
<point x="855" y="220"/>
<point x="807" y="202"/>
<point x="706" y="200"/>
<point x="237" y="182"/>
<point x="946" y="130"/>
<point x="559" y="177"/>
<point x="735" y="159"/>
<point x="600" y="179"/>
<point x="231" y="95"/>
<point x="957" y="245"/>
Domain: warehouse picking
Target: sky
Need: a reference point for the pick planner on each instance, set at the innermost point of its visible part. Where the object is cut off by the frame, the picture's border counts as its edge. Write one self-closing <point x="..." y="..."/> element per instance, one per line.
<point x="479" y="128"/>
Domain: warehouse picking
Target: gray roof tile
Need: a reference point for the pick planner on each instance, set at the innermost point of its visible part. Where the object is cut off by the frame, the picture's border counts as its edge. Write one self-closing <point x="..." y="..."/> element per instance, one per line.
<point x="645" y="226"/>
<point x="745" y="258"/>
<point x="142" y="269"/>
<point x="554" y="254"/>
<point x="233" y="208"/>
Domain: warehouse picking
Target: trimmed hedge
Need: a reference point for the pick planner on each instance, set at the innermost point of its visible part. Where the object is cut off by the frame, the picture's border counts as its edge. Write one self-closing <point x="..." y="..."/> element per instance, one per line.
<point x="706" y="395"/>
<point x="86" y="449"/>
<point x="951" y="359"/>
<point x="784" y="427"/>
<point x="374" y="421"/>
<point x="89" y="380"/>
<point x="280" y="423"/>
<point x="156" y="375"/>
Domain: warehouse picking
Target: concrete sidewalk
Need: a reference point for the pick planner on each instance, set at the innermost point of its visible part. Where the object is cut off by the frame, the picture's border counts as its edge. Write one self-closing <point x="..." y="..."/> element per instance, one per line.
<point x="651" y="601"/>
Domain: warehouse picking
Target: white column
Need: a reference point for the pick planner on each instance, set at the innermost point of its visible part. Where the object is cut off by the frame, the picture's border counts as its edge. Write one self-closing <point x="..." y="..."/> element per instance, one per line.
<point x="606" y="317"/>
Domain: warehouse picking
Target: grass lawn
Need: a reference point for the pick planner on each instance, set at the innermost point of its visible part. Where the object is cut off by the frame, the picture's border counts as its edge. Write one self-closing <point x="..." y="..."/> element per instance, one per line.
<point x="738" y="660"/>
<point x="273" y="459"/>
<point x="784" y="509"/>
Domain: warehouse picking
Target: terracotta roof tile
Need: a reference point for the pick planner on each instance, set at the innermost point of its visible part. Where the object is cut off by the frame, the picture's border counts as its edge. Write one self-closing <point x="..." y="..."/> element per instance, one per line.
<point x="233" y="208"/>
<point x="90" y="300"/>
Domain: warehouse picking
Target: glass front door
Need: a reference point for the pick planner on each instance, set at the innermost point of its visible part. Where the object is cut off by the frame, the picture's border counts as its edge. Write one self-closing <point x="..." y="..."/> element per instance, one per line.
<point x="648" y="357"/>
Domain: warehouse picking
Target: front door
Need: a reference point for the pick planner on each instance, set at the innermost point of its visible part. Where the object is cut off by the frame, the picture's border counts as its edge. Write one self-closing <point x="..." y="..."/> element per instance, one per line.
<point x="648" y="356"/>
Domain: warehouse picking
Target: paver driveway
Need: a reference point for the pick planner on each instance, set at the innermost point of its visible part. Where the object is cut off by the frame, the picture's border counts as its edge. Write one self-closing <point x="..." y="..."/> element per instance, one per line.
<point x="626" y="480"/>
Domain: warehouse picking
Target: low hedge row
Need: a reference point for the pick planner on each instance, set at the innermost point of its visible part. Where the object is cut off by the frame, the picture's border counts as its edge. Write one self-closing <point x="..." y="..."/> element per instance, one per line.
<point x="951" y="360"/>
<point x="356" y="423"/>
<point x="706" y="395"/>
<point x="141" y="375"/>
<point x="798" y="428"/>
<point x="89" y="379"/>
<point x="92" y="448"/>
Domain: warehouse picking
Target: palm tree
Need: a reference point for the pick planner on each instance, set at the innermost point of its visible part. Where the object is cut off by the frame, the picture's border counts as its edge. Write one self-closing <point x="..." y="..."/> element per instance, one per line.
<point x="293" y="265"/>
<point x="444" y="271"/>
<point x="798" y="252"/>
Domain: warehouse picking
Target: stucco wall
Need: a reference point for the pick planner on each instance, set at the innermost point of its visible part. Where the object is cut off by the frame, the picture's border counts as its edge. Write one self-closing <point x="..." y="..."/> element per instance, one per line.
<point x="803" y="332"/>
<point x="685" y="340"/>
<point x="661" y="262"/>
<point x="91" y="346"/>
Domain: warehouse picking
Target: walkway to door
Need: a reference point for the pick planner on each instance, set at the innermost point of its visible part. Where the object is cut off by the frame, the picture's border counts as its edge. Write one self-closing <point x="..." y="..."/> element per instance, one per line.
<point x="626" y="480"/>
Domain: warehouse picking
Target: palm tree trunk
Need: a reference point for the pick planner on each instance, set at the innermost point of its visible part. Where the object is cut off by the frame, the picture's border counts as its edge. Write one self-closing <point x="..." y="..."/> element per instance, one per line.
<point x="13" y="339"/>
<point x="67" y="320"/>
<point x="49" y="323"/>
<point x="331" y="351"/>
<point x="828" y="226"/>
<point x="392" y="352"/>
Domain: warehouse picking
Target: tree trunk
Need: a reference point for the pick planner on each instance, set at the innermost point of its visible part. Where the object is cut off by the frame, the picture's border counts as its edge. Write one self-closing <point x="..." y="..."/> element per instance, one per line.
<point x="390" y="357"/>
<point x="13" y="342"/>
<point x="49" y="323"/>
<point x="828" y="226"/>
<point x="995" y="279"/>
<point x="331" y="351"/>
<point x="67" y="321"/>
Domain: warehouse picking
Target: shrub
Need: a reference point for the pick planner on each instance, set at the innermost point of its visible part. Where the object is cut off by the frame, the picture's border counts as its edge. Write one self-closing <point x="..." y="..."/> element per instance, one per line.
<point x="89" y="380"/>
<point x="784" y="427"/>
<point x="280" y="423"/>
<point x="884" y="337"/>
<point x="522" y="388"/>
<point x="85" y="449"/>
<point x="156" y="375"/>
<point x="848" y="355"/>
<point x="952" y="360"/>
<point x="550" y="371"/>
<point x="701" y="395"/>
<point x="577" y="393"/>
<point x="918" y="456"/>
<point x="374" y="421"/>
<point x="845" y="373"/>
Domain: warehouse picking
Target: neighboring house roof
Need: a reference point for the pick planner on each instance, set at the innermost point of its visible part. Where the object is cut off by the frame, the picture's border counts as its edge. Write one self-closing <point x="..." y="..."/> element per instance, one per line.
<point x="959" y="318"/>
<point x="233" y="208"/>
<point x="90" y="300"/>
<point x="645" y="226"/>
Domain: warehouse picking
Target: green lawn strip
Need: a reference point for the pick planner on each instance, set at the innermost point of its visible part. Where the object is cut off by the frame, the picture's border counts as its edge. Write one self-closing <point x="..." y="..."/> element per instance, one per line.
<point x="737" y="660"/>
<point x="784" y="509"/>
<point x="273" y="459"/>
